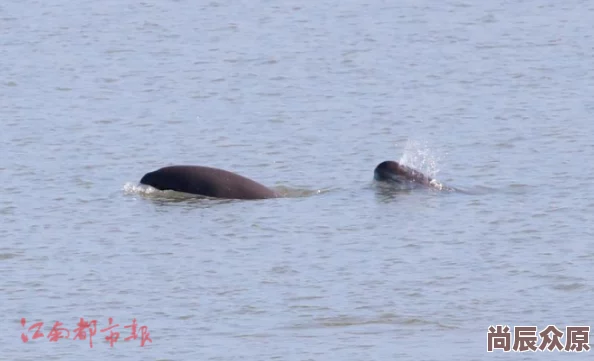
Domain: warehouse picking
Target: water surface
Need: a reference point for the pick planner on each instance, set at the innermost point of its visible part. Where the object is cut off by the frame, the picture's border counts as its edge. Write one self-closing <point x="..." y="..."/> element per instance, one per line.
<point x="308" y="97"/>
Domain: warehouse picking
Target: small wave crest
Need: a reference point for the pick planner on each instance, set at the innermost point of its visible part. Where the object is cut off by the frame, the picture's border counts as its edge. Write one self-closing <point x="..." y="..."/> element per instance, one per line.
<point x="288" y="192"/>
<point x="145" y="190"/>
<point x="148" y="191"/>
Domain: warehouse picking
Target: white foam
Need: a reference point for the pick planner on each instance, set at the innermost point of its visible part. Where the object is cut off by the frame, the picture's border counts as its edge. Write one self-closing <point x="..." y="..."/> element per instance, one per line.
<point x="138" y="188"/>
<point x="436" y="184"/>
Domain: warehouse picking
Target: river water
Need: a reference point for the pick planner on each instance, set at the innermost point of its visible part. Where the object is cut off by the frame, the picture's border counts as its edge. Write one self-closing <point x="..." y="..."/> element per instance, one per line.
<point x="493" y="98"/>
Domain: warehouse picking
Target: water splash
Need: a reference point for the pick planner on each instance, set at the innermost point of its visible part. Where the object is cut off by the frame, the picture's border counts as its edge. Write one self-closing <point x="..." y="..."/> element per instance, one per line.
<point x="418" y="155"/>
<point x="138" y="188"/>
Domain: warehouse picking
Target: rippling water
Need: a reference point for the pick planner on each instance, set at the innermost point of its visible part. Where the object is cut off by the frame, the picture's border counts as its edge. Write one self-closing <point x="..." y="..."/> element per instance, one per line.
<point x="493" y="98"/>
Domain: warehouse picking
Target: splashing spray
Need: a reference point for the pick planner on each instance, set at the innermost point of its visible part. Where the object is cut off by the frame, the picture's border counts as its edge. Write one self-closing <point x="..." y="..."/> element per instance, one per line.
<point x="418" y="155"/>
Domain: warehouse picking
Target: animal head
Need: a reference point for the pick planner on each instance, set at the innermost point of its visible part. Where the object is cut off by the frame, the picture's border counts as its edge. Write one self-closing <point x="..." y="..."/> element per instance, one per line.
<point x="390" y="171"/>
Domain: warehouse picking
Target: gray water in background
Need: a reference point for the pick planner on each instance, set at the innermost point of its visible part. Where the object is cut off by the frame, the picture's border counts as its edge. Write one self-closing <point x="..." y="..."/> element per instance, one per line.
<point x="491" y="97"/>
